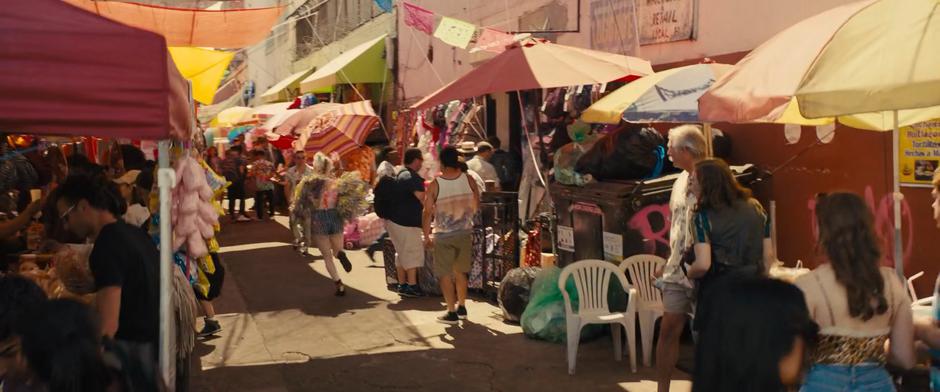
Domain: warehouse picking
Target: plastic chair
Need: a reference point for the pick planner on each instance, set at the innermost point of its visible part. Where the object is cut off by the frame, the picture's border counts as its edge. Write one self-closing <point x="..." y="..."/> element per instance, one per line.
<point x="592" y="280"/>
<point x="648" y="298"/>
<point x="926" y="301"/>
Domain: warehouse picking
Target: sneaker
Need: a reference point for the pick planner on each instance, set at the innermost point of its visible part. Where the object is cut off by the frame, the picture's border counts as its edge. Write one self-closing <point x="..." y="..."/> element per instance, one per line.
<point x="462" y="312"/>
<point x="212" y="327"/>
<point x="449" y="318"/>
<point x="344" y="261"/>
<point x="409" y="291"/>
<point x="242" y="218"/>
<point x="340" y="289"/>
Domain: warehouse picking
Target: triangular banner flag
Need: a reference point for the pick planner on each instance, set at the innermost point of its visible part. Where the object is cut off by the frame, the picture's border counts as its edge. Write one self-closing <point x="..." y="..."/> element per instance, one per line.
<point x="418" y="17"/>
<point x="455" y="32"/>
<point x="492" y="40"/>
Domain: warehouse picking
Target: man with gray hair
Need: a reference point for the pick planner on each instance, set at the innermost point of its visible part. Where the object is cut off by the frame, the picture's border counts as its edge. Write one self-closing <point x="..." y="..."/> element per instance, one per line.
<point x="686" y="148"/>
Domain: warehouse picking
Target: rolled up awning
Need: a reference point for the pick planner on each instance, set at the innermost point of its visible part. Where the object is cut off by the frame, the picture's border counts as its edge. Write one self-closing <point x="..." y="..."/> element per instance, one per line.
<point x="362" y="64"/>
<point x="286" y="89"/>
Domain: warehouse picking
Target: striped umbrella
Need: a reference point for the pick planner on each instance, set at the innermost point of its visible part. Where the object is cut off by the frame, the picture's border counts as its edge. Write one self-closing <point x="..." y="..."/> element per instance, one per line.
<point x="340" y="130"/>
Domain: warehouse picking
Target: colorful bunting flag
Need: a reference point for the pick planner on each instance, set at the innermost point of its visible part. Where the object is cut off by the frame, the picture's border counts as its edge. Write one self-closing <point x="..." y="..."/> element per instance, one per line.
<point x="492" y="40"/>
<point x="418" y="17"/>
<point x="385" y="5"/>
<point x="455" y="32"/>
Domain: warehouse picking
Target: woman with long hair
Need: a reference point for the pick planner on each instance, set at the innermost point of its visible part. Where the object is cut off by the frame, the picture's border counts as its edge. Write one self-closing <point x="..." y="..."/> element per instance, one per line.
<point x="858" y="304"/>
<point x="758" y="339"/>
<point x="731" y="231"/>
<point x="315" y="204"/>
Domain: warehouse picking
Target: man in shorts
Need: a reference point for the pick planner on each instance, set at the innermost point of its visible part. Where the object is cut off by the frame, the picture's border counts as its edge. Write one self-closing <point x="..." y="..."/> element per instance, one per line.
<point x="451" y="202"/>
<point x="404" y="224"/>
<point x="686" y="148"/>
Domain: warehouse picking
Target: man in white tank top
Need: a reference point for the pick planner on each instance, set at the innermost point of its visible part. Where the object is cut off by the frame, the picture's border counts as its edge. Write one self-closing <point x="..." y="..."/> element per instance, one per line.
<point x="451" y="202"/>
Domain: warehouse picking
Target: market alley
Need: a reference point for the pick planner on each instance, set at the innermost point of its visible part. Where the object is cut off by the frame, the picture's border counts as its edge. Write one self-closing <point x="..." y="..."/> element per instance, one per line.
<point x="285" y="331"/>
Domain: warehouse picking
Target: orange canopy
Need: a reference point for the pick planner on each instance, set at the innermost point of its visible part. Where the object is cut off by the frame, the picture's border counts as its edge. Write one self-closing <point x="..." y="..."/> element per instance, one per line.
<point x="191" y="27"/>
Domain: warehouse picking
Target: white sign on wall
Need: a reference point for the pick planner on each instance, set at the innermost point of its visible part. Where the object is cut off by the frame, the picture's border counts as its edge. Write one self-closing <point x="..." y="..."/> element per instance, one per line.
<point x="613" y="246"/>
<point x="614" y="26"/>
<point x="665" y="20"/>
<point x="566" y="238"/>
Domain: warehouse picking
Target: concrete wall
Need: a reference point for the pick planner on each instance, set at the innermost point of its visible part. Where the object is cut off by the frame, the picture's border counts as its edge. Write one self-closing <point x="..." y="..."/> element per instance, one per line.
<point x="382" y="24"/>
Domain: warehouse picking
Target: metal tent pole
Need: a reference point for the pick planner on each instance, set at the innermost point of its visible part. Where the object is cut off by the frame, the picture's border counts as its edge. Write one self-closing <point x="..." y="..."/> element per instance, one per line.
<point x="166" y="177"/>
<point x="898" y="198"/>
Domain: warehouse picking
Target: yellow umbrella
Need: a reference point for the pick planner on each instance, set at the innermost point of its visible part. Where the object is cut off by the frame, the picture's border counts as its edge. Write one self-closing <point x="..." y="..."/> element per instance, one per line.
<point x="233" y="116"/>
<point x="205" y="68"/>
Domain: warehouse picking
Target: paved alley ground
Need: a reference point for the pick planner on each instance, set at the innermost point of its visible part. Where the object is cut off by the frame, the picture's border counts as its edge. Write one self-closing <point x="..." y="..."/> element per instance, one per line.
<point x="285" y="331"/>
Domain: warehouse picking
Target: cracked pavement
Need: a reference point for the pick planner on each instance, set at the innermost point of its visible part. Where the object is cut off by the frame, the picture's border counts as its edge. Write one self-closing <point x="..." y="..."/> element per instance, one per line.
<point x="285" y="331"/>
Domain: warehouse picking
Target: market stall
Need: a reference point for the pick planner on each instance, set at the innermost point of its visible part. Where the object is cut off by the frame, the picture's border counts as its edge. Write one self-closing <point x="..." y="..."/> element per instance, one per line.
<point x="57" y="87"/>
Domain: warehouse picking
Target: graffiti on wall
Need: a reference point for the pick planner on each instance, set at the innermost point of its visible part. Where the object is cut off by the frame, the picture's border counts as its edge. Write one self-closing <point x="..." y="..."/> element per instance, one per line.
<point x="883" y="211"/>
<point x="652" y="223"/>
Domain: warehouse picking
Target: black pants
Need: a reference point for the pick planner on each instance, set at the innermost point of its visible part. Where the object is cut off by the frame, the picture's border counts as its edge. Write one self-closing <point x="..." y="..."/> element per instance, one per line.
<point x="236" y="193"/>
<point x="264" y="199"/>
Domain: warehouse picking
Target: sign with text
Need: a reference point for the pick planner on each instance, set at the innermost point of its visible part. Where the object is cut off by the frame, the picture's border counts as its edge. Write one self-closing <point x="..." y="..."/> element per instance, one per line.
<point x="665" y="20"/>
<point x="613" y="26"/>
<point x="613" y="246"/>
<point x="566" y="238"/>
<point x="919" y="154"/>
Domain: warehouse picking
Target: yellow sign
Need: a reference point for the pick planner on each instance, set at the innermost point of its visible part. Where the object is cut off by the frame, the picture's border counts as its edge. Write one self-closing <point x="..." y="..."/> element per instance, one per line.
<point x="919" y="152"/>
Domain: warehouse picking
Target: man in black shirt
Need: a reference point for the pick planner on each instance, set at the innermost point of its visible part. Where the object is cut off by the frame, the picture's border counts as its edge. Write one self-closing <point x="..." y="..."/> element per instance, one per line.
<point x="404" y="224"/>
<point x="124" y="261"/>
<point x="508" y="166"/>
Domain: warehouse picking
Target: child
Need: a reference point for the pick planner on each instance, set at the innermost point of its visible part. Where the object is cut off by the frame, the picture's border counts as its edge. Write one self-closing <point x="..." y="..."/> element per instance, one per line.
<point x="261" y="171"/>
<point x="233" y="168"/>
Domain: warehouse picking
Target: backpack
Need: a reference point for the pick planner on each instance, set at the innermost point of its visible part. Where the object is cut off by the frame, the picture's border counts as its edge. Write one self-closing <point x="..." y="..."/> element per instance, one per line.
<point x="385" y="191"/>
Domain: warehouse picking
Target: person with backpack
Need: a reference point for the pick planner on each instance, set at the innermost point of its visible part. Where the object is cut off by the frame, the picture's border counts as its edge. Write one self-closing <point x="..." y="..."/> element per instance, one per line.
<point x="403" y="222"/>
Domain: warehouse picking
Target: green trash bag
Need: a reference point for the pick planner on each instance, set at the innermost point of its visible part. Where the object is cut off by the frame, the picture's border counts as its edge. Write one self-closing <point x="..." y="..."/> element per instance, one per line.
<point x="544" y="317"/>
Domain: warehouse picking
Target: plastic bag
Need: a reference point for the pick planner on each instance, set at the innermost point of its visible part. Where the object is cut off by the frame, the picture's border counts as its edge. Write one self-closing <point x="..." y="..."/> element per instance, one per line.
<point x="544" y="316"/>
<point x="629" y="153"/>
<point x="515" y="291"/>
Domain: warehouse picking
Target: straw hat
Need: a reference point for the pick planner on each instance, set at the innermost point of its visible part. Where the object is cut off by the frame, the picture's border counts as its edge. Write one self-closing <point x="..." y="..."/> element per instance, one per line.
<point x="467" y="148"/>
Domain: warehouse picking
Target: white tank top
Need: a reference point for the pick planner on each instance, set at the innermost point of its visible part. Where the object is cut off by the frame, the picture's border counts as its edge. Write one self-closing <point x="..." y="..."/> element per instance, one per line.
<point x="454" y="209"/>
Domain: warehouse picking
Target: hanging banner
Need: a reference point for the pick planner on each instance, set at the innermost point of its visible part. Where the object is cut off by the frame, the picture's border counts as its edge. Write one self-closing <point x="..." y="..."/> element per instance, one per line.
<point x="491" y="40"/>
<point x="418" y="17"/>
<point x="613" y="26"/>
<point x="665" y="20"/>
<point x="919" y="154"/>
<point x="455" y="32"/>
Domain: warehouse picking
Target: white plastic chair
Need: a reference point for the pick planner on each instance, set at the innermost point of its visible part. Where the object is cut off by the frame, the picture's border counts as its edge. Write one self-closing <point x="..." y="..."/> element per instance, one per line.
<point x="592" y="280"/>
<point x="648" y="298"/>
<point x="926" y="301"/>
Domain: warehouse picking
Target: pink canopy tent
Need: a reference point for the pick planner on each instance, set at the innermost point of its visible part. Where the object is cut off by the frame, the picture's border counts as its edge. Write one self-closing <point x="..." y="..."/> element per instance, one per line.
<point x="70" y="72"/>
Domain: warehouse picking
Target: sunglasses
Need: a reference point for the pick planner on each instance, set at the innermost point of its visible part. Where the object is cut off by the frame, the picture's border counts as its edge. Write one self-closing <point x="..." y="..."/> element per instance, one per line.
<point x="65" y="216"/>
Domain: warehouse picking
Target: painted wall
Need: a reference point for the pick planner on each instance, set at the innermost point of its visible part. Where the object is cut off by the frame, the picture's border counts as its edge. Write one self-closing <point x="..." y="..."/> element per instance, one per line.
<point x="725" y="26"/>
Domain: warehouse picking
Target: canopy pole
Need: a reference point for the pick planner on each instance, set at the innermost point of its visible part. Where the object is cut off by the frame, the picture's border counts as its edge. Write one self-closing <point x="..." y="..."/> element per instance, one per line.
<point x="166" y="177"/>
<point x="898" y="198"/>
<point x="709" y="150"/>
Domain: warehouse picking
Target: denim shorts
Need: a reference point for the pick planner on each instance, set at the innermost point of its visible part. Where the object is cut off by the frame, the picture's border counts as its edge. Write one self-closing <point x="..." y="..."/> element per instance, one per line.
<point x="837" y="378"/>
<point x="326" y="222"/>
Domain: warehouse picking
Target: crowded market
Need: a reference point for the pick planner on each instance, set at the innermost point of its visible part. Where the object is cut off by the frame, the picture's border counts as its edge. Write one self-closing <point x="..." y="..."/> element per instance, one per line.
<point x="217" y="195"/>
